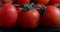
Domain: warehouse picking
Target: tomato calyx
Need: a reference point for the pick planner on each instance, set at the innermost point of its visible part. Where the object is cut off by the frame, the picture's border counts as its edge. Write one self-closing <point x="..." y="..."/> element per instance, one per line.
<point x="41" y="8"/>
<point x="26" y="7"/>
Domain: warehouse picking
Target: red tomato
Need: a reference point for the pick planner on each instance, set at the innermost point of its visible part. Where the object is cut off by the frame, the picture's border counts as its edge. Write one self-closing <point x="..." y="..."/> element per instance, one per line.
<point x="0" y="1"/>
<point x="8" y="15"/>
<point x="41" y="1"/>
<point x="51" y="16"/>
<point x="8" y="1"/>
<point x="57" y="5"/>
<point x="54" y="2"/>
<point x="21" y="2"/>
<point x="19" y="9"/>
<point x="28" y="19"/>
<point x="40" y="5"/>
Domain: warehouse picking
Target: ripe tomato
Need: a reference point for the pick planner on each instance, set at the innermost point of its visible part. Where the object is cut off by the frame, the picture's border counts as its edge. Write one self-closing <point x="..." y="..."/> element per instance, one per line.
<point x="8" y="1"/>
<point x="8" y="15"/>
<point x="54" y="2"/>
<point x="41" y="1"/>
<point x="19" y="9"/>
<point x="40" y="5"/>
<point x="28" y="19"/>
<point x="21" y="2"/>
<point x="0" y="1"/>
<point x="57" y="5"/>
<point x="51" y="17"/>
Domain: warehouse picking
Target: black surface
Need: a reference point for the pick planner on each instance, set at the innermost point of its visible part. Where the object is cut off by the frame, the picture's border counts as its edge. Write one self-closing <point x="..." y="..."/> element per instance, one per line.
<point x="41" y="29"/>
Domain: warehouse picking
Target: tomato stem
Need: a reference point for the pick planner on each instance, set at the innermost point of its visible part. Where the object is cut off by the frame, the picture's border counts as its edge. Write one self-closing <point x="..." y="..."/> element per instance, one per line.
<point x="43" y="9"/>
<point x="27" y="7"/>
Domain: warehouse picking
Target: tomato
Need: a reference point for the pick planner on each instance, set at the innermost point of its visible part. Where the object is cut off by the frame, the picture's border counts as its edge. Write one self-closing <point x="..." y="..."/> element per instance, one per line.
<point x="42" y="1"/>
<point x="8" y="15"/>
<point x="21" y="2"/>
<point x="54" y="2"/>
<point x="51" y="17"/>
<point x="8" y="1"/>
<point x="40" y="5"/>
<point x="19" y="9"/>
<point x="57" y="5"/>
<point x="28" y="19"/>
<point x="0" y="1"/>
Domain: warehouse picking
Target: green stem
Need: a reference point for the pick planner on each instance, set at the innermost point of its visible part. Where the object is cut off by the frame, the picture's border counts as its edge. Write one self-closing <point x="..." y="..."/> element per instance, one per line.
<point x="27" y="7"/>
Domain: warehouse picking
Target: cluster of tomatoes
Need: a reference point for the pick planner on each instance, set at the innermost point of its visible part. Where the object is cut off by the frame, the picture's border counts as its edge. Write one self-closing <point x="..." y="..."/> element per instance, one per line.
<point x="29" y="13"/>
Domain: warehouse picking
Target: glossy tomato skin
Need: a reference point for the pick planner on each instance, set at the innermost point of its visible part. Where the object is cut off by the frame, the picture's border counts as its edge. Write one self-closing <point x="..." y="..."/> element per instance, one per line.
<point x="51" y="17"/>
<point x="54" y="2"/>
<point x="21" y="2"/>
<point x="19" y="9"/>
<point x="8" y="15"/>
<point x="29" y="19"/>
<point x="42" y="1"/>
